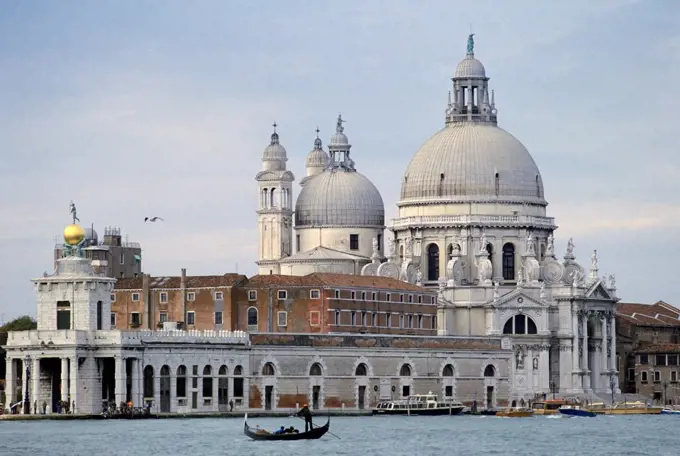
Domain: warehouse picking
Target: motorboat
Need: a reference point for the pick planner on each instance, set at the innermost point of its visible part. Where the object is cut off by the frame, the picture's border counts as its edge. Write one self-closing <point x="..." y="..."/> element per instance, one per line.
<point x="419" y="404"/>
<point x="516" y="412"/>
<point x="575" y="410"/>
<point x="670" y="411"/>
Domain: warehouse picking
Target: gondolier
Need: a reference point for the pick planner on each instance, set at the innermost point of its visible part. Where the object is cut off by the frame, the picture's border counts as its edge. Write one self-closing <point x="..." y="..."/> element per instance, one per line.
<point x="307" y="414"/>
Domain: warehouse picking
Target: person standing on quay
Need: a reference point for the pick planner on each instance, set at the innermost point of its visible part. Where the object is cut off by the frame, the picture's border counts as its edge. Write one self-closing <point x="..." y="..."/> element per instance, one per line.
<point x="307" y="414"/>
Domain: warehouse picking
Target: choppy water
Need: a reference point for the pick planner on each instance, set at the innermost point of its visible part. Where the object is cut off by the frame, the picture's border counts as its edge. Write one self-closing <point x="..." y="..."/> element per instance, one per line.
<point x="365" y="436"/>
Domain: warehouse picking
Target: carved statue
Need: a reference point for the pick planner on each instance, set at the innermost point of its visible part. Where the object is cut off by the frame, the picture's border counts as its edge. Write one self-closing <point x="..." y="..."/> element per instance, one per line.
<point x="593" y="260"/>
<point x="612" y="281"/>
<point x="530" y="248"/>
<point x="570" y="247"/>
<point x="482" y="243"/>
<point x="419" y="277"/>
<point x="390" y="246"/>
<point x="542" y="293"/>
<point x="409" y="244"/>
<point x="550" y="250"/>
<point x="519" y="358"/>
<point x="496" y="292"/>
<point x="376" y="248"/>
<point x="74" y="213"/>
<point x="535" y="362"/>
<point x="520" y="276"/>
<point x="576" y="276"/>
<point x="471" y="44"/>
<point x="442" y="285"/>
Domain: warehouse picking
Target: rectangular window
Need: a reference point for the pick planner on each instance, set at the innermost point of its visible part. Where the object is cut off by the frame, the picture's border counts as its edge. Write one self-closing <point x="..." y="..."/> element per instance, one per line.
<point x="134" y="319"/>
<point x="354" y="318"/>
<point x="164" y="297"/>
<point x="218" y="318"/>
<point x="354" y="295"/>
<point x="297" y="242"/>
<point x="643" y="359"/>
<point x="388" y="297"/>
<point x="113" y="297"/>
<point x="337" y="317"/>
<point x="374" y="295"/>
<point x="252" y="295"/>
<point x="191" y="318"/>
<point x="337" y="294"/>
<point x="380" y="242"/>
<point x="410" y="298"/>
<point x="432" y="300"/>
<point x="660" y="360"/>
<point x="643" y="376"/>
<point x="191" y="296"/>
<point x="219" y="296"/>
<point x="314" y="294"/>
<point x="672" y="360"/>
<point x="363" y="319"/>
<point x="388" y="324"/>
<point x="674" y="376"/>
<point x="354" y="242"/>
<point x="100" y="316"/>
<point x="631" y="375"/>
<point x="401" y="321"/>
<point x="657" y="376"/>
<point x="410" y="321"/>
<point x="163" y="317"/>
<point x="420" y="321"/>
<point x="434" y="322"/>
<point x="283" y="318"/>
<point x="113" y="320"/>
<point x="315" y="318"/>
<point x="135" y="297"/>
<point x="122" y="258"/>
<point x="374" y="319"/>
<point x="283" y="295"/>
<point x="363" y="295"/>
<point x="401" y="298"/>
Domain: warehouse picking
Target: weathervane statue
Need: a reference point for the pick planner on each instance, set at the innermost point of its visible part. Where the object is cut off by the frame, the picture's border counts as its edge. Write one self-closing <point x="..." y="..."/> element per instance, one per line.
<point x="74" y="213"/>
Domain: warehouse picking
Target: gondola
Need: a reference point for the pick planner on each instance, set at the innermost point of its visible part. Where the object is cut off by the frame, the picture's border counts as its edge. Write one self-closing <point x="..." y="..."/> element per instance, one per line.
<point x="258" y="434"/>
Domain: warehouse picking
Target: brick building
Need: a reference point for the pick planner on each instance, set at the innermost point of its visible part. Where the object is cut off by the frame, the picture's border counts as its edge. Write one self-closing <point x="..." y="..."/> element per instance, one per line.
<point x="648" y="344"/>
<point x="315" y="303"/>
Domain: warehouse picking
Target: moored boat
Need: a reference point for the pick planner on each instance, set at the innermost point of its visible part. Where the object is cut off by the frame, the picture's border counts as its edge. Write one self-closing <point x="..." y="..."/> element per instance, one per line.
<point x="625" y="408"/>
<point x="548" y="407"/>
<point x="515" y="412"/>
<point x="669" y="411"/>
<point x="419" y="404"/>
<point x="575" y="410"/>
<point x="261" y="434"/>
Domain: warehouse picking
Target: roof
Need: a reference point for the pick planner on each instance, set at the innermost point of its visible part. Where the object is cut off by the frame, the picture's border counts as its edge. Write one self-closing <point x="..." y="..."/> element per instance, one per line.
<point x="323" y="253"/>
<point x="322" y="279"/>
<point x="470" y="67"/>
<point x="659" y="348"/>
<point x="226" y="280"/>
<point x="657" y="314"/>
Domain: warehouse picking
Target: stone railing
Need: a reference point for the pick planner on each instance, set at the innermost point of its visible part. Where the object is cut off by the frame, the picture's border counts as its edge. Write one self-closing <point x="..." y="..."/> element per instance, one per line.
<point x="511" y="220"/>
<point x="46" y="338"/>
<point x="190" y="336"/>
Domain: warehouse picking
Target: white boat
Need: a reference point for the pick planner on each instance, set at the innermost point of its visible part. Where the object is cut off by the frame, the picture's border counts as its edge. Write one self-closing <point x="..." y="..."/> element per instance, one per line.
<point x="670" y="411"/>
<point x="419" y="404"/>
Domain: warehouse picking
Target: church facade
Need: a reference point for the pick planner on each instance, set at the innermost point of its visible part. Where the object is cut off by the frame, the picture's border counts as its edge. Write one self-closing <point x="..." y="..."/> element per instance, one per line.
<point x="473" y="224"/>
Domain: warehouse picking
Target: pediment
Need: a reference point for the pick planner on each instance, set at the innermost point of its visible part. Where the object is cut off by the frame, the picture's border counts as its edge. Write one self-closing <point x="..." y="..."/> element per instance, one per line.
<point x="598" y="292"/>
<point x="518" y="299"/>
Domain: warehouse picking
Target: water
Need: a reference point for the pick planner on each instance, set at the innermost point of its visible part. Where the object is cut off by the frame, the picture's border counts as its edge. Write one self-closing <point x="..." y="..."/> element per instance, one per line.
<point x="365" y="436"/>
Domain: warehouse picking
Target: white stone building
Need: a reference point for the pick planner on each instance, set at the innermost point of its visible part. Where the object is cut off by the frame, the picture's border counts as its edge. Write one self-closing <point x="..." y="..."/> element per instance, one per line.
<point x="472" y="222"/>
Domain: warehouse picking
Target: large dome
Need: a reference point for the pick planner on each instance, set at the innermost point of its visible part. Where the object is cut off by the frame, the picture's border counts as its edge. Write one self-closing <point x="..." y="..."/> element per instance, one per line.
<point x="472" y="162"/>
<point x="339" y="197"/>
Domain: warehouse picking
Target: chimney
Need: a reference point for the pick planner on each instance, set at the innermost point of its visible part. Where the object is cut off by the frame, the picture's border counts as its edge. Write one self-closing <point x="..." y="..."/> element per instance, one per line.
<point x="183" y="293"/>
<point x="183" y="280"/>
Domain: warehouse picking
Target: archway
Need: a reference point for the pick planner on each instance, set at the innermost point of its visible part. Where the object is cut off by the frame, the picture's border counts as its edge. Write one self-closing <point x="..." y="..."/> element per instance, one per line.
<point x="432" y="262"/>
<point x="509" y="262"/>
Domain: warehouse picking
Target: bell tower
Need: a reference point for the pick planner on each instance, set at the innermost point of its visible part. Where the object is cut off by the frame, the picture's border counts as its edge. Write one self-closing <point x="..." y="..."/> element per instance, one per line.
<point x="275" y="207"/>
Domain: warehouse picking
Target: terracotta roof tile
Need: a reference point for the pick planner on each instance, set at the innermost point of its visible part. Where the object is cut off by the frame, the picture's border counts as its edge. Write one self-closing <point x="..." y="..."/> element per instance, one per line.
<point x="265" y="280"/>
<point x="357" y="281"/>
<point x="226" y="280"/>
<point x="659" y="348"/>
<point x="128" y="284"/>
<point x="657" y="314"/>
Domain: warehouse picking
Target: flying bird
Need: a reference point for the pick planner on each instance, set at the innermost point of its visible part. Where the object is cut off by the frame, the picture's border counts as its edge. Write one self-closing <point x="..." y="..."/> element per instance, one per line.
<point x="152" y="219"/>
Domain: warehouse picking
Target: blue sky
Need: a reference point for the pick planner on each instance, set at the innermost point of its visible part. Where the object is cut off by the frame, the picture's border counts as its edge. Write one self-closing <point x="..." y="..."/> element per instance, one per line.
<point x="163" y="108"/>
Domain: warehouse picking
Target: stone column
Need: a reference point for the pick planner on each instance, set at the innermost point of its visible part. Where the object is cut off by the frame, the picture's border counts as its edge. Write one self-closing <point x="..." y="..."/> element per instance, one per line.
<point x="575" y="352"/>
<point x="215" y="390"/>
<point x="120" y="380"/>
<point x="140" y="383"/>
<point x="612" y="360"/>
<point x="10" y="382"/>
<point x="586" y="377"/>
<point x="134" y="386"/>
<point x="35" y="390"/>
<point x="156" y="389"/>
<point x="74" y="384"/>
<point x="24" y="387"/>
<point x="605" y="359"/>
<point x="64" y="379"/>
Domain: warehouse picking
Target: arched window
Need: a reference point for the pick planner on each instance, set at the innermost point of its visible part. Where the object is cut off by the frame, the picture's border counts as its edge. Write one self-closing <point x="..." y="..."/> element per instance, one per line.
<point x="238" y="371"/>
<point x="223" y="371"/>
<point x="315" y="369"/>
<point x="489" y="249"/>
<point x="252" y="316"/>
<point x="207" y="381"/>
<point x="265" y="198"/>
<point x="509" y="262"/>
<point x="520" y="324"/>
<point x="489" y="371"/>
<point x="272" y="198"/>
<point x="433" y="262"/>
<point x="268" y="369"/>
<point x="448" y="371"/>
<point x="361" y="370"/>
<point x="181" y="390"/>
<point x="405" y="370"/>
<point x="238" y="381"/>
<point x="165" y="371"/>
<point x="498" y="184"/>
<point x="148" y="382"/>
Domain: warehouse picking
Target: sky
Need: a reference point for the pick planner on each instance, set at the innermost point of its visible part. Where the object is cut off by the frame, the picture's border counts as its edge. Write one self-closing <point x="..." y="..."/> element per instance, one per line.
<point x="146" y="108"/>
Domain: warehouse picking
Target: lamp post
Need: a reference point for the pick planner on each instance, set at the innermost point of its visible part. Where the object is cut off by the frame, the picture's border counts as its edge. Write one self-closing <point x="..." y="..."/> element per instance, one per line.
<point x="27" y="400"/>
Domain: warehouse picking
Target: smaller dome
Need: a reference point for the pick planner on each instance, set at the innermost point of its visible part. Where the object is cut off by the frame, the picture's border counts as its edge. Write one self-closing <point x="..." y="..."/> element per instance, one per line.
<point x="274" y="151"/>
<point x="91" y="236"/>
<point x="470" y="67"/>
<point x="317" y="157"/>
<point x="74" y="234"/>
<point x="339" y="139"/>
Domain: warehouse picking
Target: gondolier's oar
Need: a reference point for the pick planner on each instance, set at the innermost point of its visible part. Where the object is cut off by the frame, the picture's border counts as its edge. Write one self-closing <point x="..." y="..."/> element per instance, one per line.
<point x="328" y="432"/>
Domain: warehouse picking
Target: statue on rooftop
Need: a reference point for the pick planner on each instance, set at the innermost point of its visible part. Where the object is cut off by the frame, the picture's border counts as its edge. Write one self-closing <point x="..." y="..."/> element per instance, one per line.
<point x="471" y="44"/>
<point x="74" y="213"/>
